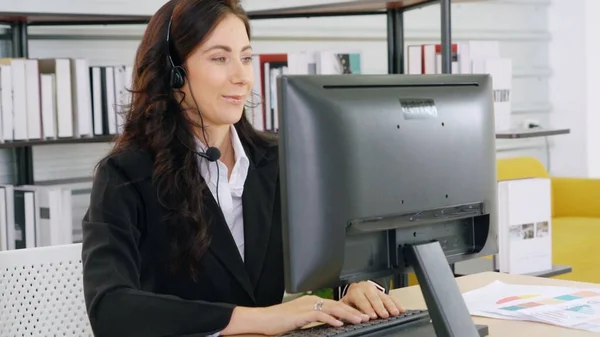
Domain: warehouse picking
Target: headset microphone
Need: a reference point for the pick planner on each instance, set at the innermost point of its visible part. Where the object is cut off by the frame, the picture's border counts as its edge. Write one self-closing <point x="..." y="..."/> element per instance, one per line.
<point x="211" y="154"/>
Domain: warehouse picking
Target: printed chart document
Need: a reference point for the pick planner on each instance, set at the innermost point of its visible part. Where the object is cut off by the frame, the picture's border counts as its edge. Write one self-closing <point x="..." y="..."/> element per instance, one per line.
<point x="562" y="306"/>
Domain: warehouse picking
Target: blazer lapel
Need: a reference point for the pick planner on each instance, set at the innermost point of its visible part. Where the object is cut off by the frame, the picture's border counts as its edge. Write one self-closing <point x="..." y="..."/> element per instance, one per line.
<point x="259" y="188"/>
<point x="223" y="245"/>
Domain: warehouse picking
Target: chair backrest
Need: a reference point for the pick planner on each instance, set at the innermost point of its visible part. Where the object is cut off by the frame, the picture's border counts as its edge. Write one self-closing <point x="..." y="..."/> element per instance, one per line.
<point x="41" y="292"/>
<point x="520" y="168"/>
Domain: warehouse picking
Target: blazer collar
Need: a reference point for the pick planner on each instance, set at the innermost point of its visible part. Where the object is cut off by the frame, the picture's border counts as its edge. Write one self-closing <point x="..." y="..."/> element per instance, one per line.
<point x="259" y="199"/>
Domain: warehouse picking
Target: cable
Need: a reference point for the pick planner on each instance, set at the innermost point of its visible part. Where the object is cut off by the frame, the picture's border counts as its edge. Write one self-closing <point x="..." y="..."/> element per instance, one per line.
<point x="204" y="134"/>
<point x="177" y="80"/>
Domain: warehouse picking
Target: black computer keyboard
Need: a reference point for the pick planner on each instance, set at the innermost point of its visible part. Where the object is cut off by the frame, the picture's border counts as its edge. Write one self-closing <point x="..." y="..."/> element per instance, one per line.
<point x="351" y="330"/>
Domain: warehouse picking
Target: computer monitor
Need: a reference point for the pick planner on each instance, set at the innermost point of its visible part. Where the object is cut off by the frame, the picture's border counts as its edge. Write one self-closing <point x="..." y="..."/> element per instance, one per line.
<point x="386" y="174"/>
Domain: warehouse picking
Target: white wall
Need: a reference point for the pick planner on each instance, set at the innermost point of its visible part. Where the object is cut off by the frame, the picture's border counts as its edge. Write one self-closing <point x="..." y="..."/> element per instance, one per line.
<point x="520" y="25"/>
<point x="592" y="30"/>
<point x="575" y="86"/>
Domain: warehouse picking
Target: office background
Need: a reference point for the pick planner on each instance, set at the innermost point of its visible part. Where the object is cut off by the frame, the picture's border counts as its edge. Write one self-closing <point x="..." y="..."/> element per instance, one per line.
<point x="553" y="46"/>
<point x="550" y="42"/>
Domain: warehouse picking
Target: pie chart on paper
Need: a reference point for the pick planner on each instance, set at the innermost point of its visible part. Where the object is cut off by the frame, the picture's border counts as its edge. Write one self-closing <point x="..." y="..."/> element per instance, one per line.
<point x="515" y="298"/>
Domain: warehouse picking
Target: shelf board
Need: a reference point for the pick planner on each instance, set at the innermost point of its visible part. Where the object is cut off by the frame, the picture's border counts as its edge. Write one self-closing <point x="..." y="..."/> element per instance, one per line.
<point x="24" y="143"/>
<point x="34" y="18"/>
<point x="357" y="7"/>
<point x="530" y="133"/>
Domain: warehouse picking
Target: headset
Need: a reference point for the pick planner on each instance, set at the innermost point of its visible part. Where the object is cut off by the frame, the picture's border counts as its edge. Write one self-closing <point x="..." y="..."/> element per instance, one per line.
<point x="177" y="81"/>
<point x="177" y="76"/>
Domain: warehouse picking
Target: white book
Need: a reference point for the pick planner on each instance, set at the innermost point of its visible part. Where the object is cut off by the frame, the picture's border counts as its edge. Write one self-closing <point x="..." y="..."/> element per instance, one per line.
<point x="464" y="57"/>
<point x="110" y="99"/>
<point x="48" y="94"/>
<point x="19" y="89"/>
<point x="66" y="216"/>
<point x="414" y="59"/>
<point x="82" y="103"/>
<point x="34" y="111"/>
<point x="6" y="101"/>
<point x="7" y="218"/>
<point x="64" y="103"/>
<point x="3" y="223"/>
<point x="525" y="225"/>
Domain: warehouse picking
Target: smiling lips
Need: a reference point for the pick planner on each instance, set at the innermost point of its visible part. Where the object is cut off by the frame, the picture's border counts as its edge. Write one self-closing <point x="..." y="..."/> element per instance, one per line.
<point x="233" y="99"/>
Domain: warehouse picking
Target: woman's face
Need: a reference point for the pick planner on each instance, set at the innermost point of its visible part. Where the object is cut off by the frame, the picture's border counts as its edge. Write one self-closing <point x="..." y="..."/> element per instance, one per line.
<point x="220" y="74"/>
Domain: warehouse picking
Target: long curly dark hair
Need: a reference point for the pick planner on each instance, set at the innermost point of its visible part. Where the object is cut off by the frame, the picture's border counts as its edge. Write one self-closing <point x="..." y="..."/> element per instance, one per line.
<point x="156" y="122"/>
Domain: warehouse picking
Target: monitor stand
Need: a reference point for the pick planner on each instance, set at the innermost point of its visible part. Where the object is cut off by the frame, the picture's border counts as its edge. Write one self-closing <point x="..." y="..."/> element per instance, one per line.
<point x="447" y="309"/>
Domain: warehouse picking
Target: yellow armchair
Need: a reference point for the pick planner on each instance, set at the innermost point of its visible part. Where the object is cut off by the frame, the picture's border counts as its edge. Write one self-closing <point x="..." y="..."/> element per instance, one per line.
<point x="575" y="217"/>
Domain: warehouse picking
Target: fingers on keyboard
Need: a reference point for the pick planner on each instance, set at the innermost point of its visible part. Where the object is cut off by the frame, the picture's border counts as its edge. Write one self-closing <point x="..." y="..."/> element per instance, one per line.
<point x="320" y="316"/>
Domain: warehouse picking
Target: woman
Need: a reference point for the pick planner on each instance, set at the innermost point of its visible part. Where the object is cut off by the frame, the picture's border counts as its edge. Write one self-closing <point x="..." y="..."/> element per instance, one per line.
<point x="163" y="255"/>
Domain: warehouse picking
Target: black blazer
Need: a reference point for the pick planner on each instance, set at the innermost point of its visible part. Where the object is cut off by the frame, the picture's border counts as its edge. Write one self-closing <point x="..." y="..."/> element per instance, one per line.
<point x="128" y="288"/>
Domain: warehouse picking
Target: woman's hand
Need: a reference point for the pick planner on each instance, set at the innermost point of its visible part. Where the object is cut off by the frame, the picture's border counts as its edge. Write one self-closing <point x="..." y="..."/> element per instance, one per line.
<point x="297" y="313"/>
<point x="366" y="297"/>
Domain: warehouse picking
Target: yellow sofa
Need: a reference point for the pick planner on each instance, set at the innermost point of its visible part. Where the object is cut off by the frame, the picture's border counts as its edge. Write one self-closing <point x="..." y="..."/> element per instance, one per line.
<point x="575" y="217"/>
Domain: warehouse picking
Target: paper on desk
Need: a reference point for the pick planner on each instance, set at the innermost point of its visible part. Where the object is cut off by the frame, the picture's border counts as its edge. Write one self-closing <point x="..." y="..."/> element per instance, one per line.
<point x="562" y="306"/>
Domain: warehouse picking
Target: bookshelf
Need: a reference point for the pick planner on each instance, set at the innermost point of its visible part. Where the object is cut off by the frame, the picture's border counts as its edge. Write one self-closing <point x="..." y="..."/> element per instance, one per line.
<point x="392" y="9"/>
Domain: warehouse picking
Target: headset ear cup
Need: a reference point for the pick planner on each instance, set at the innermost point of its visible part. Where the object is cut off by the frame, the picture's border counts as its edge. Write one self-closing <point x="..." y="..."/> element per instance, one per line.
<point x="177" y="79"/>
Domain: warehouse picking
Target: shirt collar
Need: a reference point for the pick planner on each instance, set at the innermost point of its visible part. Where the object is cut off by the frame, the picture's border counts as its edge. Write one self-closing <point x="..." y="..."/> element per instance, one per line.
<point x="240" y="154"/>
<point x="241" y="160"/>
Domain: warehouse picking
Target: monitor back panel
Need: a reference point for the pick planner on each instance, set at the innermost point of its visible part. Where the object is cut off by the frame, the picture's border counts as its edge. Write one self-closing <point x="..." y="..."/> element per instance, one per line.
<point x="357" y="150"/>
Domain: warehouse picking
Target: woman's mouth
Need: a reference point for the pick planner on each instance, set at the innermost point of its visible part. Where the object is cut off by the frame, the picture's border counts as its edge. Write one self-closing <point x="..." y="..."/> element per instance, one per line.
<point x="233" y="99"/>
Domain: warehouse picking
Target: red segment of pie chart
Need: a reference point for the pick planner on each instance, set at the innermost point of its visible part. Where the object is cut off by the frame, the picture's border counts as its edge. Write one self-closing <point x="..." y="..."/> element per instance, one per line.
<point x="507" y="299"/>
<point x="514" y="298"/>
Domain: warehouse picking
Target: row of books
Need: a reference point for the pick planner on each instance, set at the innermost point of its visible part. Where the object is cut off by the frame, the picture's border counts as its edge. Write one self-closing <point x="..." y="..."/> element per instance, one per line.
<point x="60" y="98"/>
<point x="470" y="57"/>
<point x="42" y="214"/>
<point x="262" y="110"/>
<point x="67" y="98"/>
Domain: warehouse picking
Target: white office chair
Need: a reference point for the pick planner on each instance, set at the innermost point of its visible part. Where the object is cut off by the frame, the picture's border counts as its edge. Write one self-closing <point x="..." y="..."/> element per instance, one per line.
<point x="41" y="293"/>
